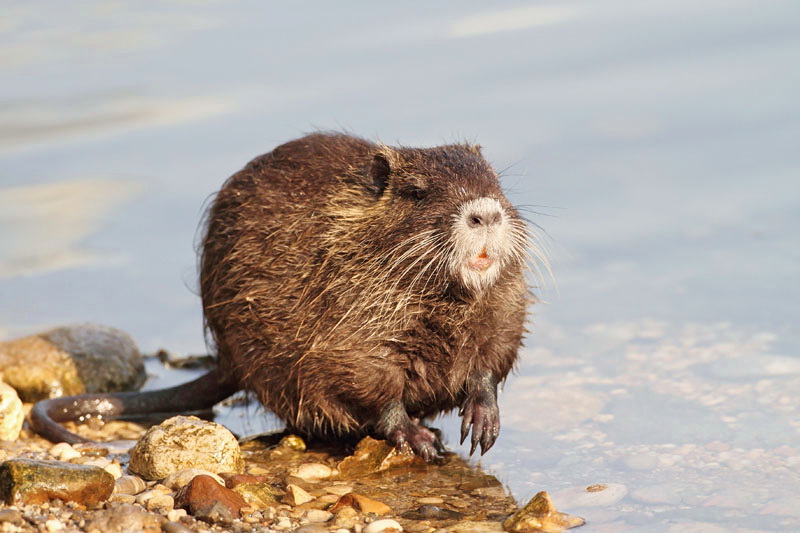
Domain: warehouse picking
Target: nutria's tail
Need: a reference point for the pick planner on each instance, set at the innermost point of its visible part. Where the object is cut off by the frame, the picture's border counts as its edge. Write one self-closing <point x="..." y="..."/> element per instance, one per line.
<point x="202" y="393"/>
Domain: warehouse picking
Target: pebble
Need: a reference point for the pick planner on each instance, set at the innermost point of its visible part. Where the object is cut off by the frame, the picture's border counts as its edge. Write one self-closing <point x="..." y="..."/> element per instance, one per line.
<point x="386" y="524"/>
<point x="597" y="495"/>
<point x="257" y="495"/>
<point x="64" y="452"/>
<point x="339" y="490"/>
<point x="432" y="500"/>
<point x="174" y="526"/>
<point x="53" y="525"/>
<point x="361" y="503"/>
<point x="184" y="442"/>
<point x="318" y="515"/>
<point x="11" y="516"/>
<point x="11" y="414"/>
<point x="283" y="522"/>
<point x="176" y="514"/>
<point x="30" y="482"/>
<point x="296" y="496"/>
<point x="129" y="485"/>
<point x="123" y="518"/>
<point x="345" y="517"/>
<point x="312" y="472"/>
<point x="160" y="502"/>
<point x="181" y="478"/>
<point x="202" y="493"/>
<point x="115" y="469"/>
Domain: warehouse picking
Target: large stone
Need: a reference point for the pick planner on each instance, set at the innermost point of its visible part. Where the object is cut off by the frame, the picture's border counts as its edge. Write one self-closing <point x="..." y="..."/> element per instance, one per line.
<point x="11" y="415"/>
<point x="71" y="360"/>
<point x="372" y="456"/>
<point x="184" y="442"/>
<point x="25" y="481"/>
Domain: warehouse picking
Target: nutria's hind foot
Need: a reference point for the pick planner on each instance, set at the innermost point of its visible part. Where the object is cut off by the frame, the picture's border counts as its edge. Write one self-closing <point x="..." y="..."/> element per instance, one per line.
<point x="396" y="426"/>
<point x="483" y="415"/>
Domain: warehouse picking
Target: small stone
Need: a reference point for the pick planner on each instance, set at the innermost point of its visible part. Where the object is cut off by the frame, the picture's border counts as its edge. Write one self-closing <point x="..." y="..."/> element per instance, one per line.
<point x="318" y="516"/>
<point x="53" y="525"/>
<point x="293" y="442"/>
<point x="345" y="517"/>
<point x="176" y="514"/>
<point x="386" y="525"/>
<point x="123" y="518"/>
<point x="129" y="485"/>
<point x="296" y="496"/>
<point x="181" y="478"/>
<point x="257" y="495"/>
<point x="200" y="495"/>
<point x="33" y="482"/>
<point x="373" y="455"/>
<point x="114" y="469"/>
<point x="361" y="503"/>
<point x="215" y="513"/>
<point x="339" y="490"/>
<point x="122" y="498"/>
<point x="598" y="495"/>
<point x="12" y="516"/>
<point x="283" y="523"/>
<point x="541" y="515"/>
<point x="311" y="528"/>
<point x="432" y="500"/>
<point x="312" y="472"/>
<point x="160" y="502"/>
<point x="184" y="442"/>
<point x="11" y="415"/>
<point x="231" y="480"/>
<point x="433" y="512"/>
<point x="481" y="526"/>
<point x="173" y="526"/>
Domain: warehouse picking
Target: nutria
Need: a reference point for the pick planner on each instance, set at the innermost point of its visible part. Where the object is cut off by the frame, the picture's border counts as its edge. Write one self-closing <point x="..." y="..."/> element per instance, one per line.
<point x="355" y="288"/>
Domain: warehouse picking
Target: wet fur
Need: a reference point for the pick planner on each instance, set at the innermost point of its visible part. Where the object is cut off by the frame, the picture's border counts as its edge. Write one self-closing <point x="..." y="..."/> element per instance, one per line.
<point x="328" y="290"/>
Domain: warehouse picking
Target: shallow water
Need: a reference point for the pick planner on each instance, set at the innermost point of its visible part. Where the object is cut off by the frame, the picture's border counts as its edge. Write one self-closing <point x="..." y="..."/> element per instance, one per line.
<point x="655" y="142"/>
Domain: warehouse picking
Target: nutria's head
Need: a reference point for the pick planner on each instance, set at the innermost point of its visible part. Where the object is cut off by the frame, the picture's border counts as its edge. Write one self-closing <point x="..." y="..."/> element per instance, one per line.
<point x="438" y="217"/>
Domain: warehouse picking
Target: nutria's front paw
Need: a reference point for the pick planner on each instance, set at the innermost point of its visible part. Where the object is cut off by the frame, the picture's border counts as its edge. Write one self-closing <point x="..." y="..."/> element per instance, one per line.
<point x="483" y="415"/>
<point x="422" y="440"/>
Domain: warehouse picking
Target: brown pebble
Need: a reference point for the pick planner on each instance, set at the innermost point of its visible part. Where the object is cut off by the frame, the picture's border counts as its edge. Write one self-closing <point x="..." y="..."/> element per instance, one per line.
<point x="11" y="516"/>
<point x="361" y="503"/>
<point x="200" y="495"/>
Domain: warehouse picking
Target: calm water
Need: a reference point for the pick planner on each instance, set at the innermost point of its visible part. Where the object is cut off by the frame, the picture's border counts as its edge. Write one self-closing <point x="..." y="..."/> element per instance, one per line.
<point x="657" y="143"/>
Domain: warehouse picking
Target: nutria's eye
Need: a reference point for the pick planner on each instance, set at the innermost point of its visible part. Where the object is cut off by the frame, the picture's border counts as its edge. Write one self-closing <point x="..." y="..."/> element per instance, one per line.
<point x="417" y="194"/>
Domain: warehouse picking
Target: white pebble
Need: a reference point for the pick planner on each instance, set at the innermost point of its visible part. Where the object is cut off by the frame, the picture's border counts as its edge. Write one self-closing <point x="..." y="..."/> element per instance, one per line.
<point x="54" y="525"/>
<point x="318" y="516"/>
<point x="175" y="515"/>
<point x="114" y="469"/>
<point x="382" y="525"/>
<point x="312" y="471"/>
<point x="64" y="452"/>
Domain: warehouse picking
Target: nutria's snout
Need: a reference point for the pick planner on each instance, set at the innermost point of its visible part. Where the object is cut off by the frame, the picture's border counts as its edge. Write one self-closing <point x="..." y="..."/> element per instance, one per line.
<point x="484" y="242"/>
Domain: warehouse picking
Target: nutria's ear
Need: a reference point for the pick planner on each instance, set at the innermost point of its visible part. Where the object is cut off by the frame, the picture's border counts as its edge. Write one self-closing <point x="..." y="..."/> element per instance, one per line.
<point x="379" y="172"/>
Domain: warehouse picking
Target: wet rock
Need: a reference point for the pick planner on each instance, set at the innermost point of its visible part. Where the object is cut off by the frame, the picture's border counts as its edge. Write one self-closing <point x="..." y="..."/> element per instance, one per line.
<point x="345" y="517"/>
<point x="318" y="516"/>
<point x="12" y="516"/>
<point x="373" y="455"/>
<point x="32" y="482"/>
<point x="71" y="360"/>
<point x="231" y="480"/>
<point x="432" y="500"/>
<point x="200" y="496"/>
<point x="597" y="495"/>
<point x="184" y="442"/>
<point x="481" y="526"/>
<point x="433" y="512"/>
<point x="541" y="515"/>
<point x="257" y="495"/>
<point x="292" y="442"/>
<point x="11" y="415"/>
<point x="361" y="503"/>
<point x="386" y="525"/>
<point x="64" y="452"/>
<point x="339" y="490"/>
<point x="312" y="472"/>
<point x="123" y="518"/>
<point x="296" y="496"/>
<point x="181" y="478"/>
<point x="129" y="485"/>
<point x="175" y="527"/>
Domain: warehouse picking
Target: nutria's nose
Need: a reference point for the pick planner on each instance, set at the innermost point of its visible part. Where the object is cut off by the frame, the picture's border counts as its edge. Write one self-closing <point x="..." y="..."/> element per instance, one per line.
<point x="484" y="218"/>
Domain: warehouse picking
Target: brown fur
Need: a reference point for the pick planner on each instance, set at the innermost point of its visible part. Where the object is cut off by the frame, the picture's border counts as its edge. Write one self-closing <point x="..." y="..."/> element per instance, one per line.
<point x="318" y="300"/>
